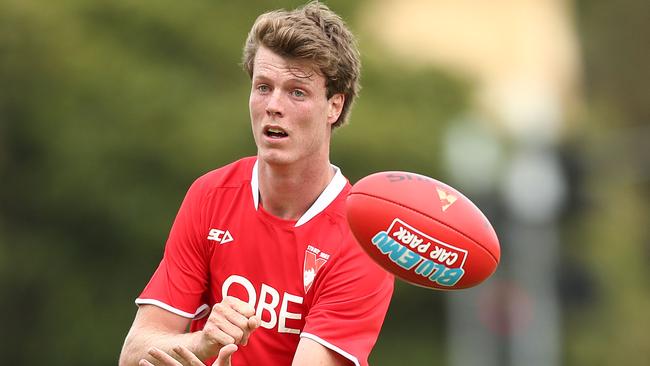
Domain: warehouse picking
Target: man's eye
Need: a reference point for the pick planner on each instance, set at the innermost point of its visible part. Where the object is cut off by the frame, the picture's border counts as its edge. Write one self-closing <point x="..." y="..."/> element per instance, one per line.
<point x="298" y="93"/>
<point x="263" y="88"/>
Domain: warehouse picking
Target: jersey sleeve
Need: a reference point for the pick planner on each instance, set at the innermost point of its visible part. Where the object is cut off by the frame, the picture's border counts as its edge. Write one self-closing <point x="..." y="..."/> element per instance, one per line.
<point x="349" y="305"/>
<point x="179" y="283"/>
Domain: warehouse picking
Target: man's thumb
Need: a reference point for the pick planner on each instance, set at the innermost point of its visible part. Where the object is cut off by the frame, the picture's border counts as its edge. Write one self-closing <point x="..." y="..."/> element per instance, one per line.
<point x="225" y="353"/>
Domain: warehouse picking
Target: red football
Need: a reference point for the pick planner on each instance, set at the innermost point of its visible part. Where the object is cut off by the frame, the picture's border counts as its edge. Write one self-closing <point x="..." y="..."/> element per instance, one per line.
<point x="423" y="231"/>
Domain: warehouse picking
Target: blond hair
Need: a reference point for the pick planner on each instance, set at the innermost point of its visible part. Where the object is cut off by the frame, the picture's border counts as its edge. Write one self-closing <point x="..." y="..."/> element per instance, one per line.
<point x="316" y="34"/>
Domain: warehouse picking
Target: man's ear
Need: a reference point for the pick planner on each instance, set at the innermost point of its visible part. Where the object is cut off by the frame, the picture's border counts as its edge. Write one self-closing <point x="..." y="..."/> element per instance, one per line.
<point x="335" y="106"/>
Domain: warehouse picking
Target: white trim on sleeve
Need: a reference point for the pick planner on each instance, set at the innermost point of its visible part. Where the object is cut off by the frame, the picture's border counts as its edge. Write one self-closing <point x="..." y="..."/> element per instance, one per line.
<point x="200" y="312"/>
<point x="330" y="346"/>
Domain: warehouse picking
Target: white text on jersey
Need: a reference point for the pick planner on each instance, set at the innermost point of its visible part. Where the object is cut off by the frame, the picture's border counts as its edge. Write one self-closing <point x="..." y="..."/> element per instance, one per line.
<point x="220" y="236"/>
<point x="269" y="300"/>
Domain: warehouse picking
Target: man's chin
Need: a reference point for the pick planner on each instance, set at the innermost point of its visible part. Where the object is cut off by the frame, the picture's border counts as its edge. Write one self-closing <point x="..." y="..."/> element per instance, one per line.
<point x="275" y="158"/>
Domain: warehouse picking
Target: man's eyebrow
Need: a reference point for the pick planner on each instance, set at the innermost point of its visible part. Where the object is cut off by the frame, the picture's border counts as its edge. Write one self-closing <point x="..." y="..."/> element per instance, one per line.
<point x="301" y="80"/>
<point x="301" y="75"/>
<point x="304" y="80"/>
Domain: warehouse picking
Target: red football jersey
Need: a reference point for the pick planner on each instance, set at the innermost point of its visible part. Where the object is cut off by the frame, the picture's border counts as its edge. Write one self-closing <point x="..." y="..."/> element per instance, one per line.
<point x="305" y="278"/>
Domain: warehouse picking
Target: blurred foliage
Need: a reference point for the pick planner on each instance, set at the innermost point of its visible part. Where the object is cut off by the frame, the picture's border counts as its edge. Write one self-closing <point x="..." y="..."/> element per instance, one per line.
<point x="110" y="109"/>
<point x="605" y="318"/>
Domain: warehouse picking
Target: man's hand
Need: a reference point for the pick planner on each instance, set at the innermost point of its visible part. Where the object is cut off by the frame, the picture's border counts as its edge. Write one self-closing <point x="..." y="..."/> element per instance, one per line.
<point x="225" y="354"/>
<point x="230" y="322"/>
<point x="188" y="358"/>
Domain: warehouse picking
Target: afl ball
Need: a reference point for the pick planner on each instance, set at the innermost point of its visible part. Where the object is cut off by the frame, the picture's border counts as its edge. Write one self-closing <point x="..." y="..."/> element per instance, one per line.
<point x="422" y="230"/>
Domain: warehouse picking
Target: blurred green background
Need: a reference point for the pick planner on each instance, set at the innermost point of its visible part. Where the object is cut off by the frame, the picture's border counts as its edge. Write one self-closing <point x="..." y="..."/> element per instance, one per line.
<point x="110" y="109"/>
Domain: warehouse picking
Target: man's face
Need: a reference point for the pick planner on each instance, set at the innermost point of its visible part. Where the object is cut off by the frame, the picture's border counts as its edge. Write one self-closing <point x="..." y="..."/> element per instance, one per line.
<point x="290" y="114"/>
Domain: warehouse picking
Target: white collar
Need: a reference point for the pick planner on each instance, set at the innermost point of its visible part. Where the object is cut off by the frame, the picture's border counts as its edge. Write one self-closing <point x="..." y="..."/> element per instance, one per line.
<point x="330" y="193"/>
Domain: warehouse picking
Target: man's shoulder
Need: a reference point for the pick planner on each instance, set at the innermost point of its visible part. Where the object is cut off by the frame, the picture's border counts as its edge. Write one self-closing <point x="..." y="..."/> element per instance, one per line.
<point x="232" y="175"/>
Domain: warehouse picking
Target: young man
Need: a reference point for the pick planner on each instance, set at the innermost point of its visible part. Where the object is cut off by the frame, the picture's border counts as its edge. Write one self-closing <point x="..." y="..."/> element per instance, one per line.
<point x="260" y="262"/>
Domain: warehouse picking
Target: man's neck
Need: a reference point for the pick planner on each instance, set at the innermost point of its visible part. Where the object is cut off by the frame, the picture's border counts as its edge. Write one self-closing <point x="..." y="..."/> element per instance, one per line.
<point x="288" y="191"/>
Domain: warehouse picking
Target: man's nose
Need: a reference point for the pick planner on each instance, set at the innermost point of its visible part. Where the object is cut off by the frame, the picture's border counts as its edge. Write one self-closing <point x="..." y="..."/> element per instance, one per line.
<point x="275" y="107"/>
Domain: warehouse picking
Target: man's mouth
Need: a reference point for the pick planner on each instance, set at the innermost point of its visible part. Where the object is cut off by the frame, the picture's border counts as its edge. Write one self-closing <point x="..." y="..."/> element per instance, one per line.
<point x="275" y="132"/>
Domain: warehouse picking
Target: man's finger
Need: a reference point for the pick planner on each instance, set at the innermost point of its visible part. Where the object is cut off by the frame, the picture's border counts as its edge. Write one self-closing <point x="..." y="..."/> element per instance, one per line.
<point x="163" y="357"/>
<point x="225" y="354"/>
<point x="229" y="324"/>
<point x="188" y="356"/>
<point x="252" y="324"/>
<point x="239" y="306"/>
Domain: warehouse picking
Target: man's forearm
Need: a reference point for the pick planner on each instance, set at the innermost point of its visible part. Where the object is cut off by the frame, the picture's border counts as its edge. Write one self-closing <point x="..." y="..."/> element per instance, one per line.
<point x="139" y="341"/>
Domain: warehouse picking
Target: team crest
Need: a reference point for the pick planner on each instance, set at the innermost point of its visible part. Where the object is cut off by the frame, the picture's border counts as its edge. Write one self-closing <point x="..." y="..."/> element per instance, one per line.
<point x="314" y="260"/>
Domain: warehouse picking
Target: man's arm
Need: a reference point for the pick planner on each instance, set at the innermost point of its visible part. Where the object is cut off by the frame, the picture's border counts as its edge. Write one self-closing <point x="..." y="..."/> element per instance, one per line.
<point x="189" y="358"/>
<point x="230" y="322"/>
<point x="312" y="353"/>
<point x="154" y="326"/>
<point x="309" y="353"/>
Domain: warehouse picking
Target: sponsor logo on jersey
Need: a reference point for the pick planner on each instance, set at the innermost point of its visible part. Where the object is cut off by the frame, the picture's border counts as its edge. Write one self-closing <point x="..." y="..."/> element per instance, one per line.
<point x="274" y="309"/>
<point x="428" y="257"/>
<point x="220" y="236"/>
<point x="314" y="260"/>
